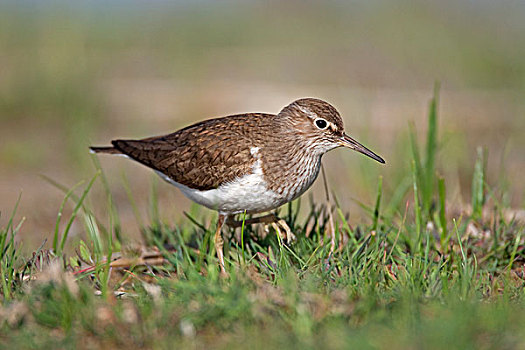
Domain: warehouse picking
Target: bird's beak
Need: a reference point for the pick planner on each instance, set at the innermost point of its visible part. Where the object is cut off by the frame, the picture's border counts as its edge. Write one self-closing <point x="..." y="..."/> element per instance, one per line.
<point x="347" y="141"/>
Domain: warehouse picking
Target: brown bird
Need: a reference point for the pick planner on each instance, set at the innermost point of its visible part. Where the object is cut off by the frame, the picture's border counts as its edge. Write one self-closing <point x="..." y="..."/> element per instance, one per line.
<point x="251" y="163"/>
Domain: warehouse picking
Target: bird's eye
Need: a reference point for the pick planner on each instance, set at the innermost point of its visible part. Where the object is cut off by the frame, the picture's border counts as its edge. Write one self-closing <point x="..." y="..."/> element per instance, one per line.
<point x="321" y="123"/>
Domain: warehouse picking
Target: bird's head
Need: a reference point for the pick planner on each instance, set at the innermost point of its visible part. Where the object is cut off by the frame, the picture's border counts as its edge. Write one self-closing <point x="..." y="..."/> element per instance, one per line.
<point x="320" y="124"/>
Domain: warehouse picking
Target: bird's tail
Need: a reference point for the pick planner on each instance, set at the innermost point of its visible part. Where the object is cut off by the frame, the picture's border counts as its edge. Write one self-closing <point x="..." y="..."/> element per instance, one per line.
<point x="106" y="150"/>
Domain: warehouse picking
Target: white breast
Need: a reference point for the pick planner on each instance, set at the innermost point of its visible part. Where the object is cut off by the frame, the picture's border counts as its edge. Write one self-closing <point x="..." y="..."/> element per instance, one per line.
<point x="248" y="192"/>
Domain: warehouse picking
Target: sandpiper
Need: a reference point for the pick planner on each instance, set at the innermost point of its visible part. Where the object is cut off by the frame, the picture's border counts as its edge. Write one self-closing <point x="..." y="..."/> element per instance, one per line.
<point x="253" y="162"/>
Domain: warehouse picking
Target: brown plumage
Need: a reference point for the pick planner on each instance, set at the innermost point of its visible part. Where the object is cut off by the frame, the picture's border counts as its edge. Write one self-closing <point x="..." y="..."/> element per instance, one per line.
<point x="206" y="154"/>
<point x="254" y="162"/>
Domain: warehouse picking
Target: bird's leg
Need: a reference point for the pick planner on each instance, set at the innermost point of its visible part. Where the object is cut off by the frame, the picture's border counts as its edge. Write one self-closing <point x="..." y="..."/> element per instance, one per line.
<point x="219" y="243"/>
<point x="270" y="219"/>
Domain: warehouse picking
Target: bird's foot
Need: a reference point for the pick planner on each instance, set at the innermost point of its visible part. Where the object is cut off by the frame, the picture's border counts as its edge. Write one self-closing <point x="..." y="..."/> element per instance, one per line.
<point x="279" y="225"/>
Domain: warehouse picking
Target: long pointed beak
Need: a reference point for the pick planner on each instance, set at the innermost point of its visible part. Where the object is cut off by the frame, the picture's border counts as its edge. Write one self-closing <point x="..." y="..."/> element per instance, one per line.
<point x="347" y="141"/>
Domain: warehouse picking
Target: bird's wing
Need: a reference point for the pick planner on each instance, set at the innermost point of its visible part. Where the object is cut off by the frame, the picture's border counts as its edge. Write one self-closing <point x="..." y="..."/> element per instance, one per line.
<point x="201" y="156"/>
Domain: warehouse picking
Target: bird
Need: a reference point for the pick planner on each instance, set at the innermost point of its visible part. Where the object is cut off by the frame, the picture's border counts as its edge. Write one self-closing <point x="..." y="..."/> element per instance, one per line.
<point x="244" y="163"/>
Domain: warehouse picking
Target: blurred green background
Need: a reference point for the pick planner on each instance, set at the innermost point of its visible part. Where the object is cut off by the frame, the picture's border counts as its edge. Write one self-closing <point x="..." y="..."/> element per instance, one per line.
<point x="74" y="74"/>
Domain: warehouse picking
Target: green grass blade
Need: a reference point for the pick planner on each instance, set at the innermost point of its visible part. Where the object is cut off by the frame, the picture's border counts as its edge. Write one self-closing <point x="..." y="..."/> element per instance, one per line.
<point x="417" y="207"/>
<point x="514" y="250"/>
<point x="442" y="214"/>
<point x="478" y="185"/>
<point x="431" y="150"/>
<point x="5" y="232"/>
<point x="75" y="211"/>
<point x="114" y="220"/>
<point x="60" y="212"/>
<point x="415" y="151"/>
<point x="93" y="232"/>
<point x="61" y="187"/>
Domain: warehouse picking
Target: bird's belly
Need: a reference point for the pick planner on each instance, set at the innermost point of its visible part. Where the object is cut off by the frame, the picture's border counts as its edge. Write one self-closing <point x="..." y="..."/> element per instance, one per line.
<point x="248" y="192"/>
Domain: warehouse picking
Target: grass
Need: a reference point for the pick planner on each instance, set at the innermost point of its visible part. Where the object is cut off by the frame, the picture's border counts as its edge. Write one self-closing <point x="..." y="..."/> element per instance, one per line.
<point x="420" y="275"/>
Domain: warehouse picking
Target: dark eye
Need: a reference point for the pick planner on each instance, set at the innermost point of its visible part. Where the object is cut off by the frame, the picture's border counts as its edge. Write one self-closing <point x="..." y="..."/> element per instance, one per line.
<point x="321" y="123"/>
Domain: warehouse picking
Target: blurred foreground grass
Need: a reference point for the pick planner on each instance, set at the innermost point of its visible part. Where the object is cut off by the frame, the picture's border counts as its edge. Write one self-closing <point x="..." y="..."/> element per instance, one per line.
<point x="423" y="274"/>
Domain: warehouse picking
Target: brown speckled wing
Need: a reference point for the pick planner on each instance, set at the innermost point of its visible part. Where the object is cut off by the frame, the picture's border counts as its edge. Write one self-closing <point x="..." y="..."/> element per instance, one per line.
<point x="204" y="155"/>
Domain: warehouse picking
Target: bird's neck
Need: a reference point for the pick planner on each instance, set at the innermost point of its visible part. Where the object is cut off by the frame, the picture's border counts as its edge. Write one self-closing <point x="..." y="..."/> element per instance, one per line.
<point x="298" y="167"/>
